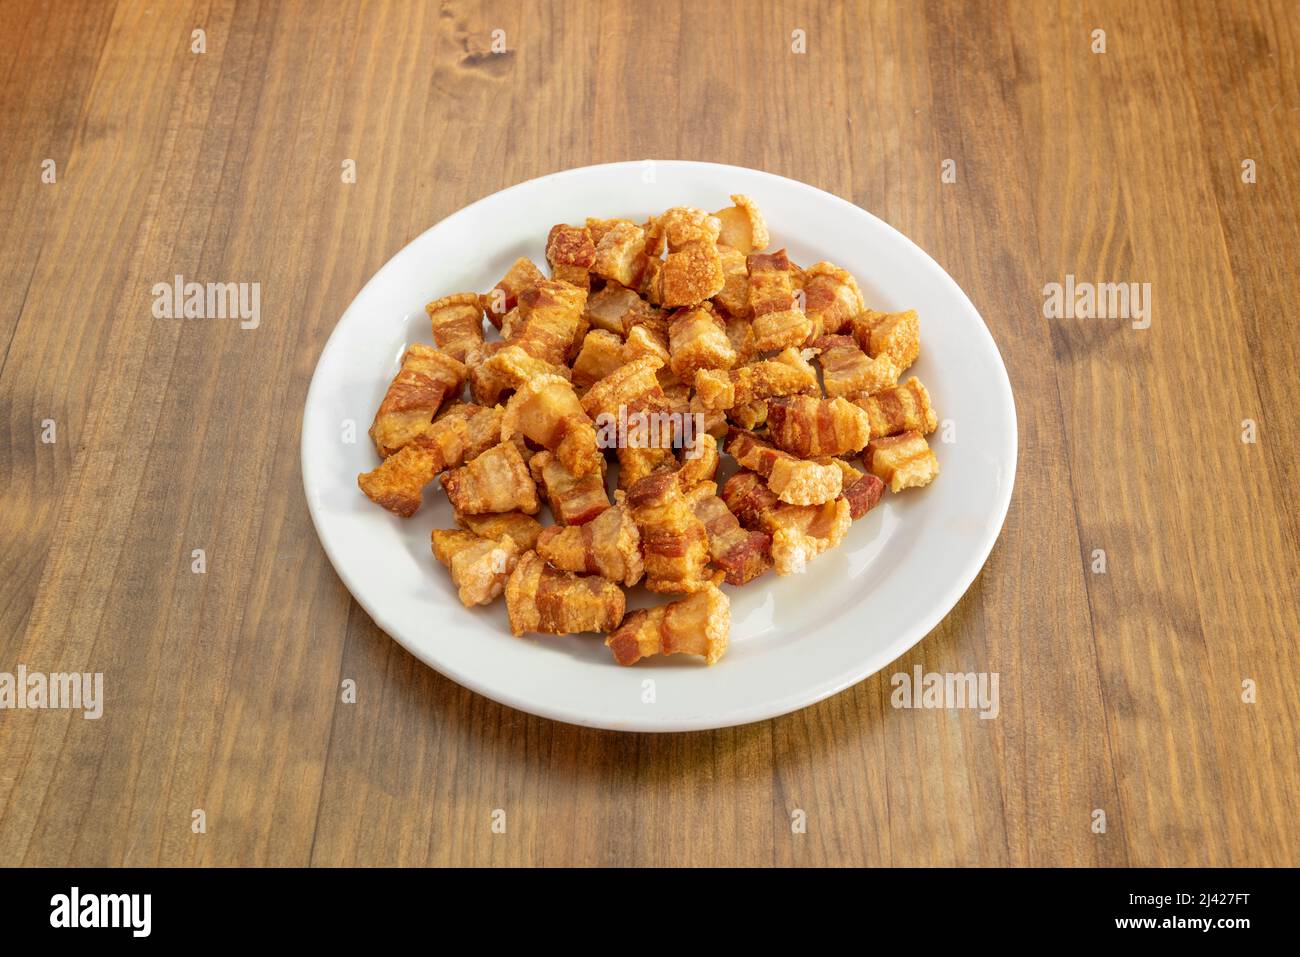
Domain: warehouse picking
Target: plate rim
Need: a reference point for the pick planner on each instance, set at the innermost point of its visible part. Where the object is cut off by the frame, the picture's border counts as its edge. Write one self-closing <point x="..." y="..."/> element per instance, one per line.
<point x="869" y="665"/>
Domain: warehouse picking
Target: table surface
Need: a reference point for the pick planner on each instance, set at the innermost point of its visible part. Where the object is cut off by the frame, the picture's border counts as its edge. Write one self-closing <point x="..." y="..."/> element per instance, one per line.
<point x="1161" y="692"/>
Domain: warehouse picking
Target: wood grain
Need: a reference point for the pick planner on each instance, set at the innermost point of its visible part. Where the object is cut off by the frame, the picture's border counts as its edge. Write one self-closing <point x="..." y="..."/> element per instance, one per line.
<point x="1120" y="691"/>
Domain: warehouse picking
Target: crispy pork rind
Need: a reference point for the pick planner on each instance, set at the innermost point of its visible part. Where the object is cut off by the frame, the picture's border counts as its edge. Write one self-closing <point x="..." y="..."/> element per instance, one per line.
<point x="495" y="481"/>
<point x="903" y="461"/>
<point x="700" y="459"/>
<point x="553" y="323"/>
<point x="799" y="532"/>
<point x="895" y="334"/>
<point x="574" y="499"/>
<point x="786" y="374"/>
<point x="733" y="297"/>
<point x="548" y="601"/>
<point x="571" y="253"/>
<point x="779" y="321"/>
<point x="810" y="427"/>
<point x="673" y="540"/>
<point x="793" y="480"/>
<point x="631" y="391"/>
<point x="831" y="297"/>
<point x="850" y="372"/>
<point x="519" y="528"/>
<point x="689" y="276"/>
<point x="742" y="554"/>
<point x="903" y="408"/>
<point x="601" y="354"/>
<point x="617" y="309"/>
<point x="428" y="378"/>
<point x="662" y="362"/>
<point x="546" y="410"/>
<point x="461" y="432"/>
<point x="683" y="226"/>
<point x="504" y="296"/>
<point x="479" y="566"/>
<point x="609" y="545"/>
<point x="620" y="254"/>
<point x="743" y="227"/>
<point x="457" y="323"/>
<point x="751" y="415"/>
<point x="697" y="339"/>
<point x="699" y="624"/>
<point x="861" y="490"/>
<point x="692" y="271"/>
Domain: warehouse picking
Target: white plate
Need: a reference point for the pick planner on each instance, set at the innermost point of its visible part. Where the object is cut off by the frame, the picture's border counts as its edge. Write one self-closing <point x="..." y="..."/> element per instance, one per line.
<point x="794" y="640"/>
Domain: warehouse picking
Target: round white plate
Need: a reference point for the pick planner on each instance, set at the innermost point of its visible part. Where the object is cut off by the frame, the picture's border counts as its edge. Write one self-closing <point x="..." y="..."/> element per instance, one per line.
<point x="794" y="640"/>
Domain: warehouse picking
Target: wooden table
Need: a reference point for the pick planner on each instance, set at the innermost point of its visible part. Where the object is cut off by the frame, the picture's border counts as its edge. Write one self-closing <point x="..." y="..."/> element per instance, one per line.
<point x="1121" y="692"/>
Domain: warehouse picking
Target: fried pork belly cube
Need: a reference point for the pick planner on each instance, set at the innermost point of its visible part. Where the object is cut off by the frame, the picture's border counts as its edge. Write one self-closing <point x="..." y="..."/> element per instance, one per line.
<point x="743" y="227"/>
<point x="510" y="368"/>
<point x="674" y="541"/>
<point x="647" y="446"/>
<point x="810" y="427"/>
<point x="710" y="421"/>
<point x="742" y="554"/>
<point x="831" y="296"/>
<point x="699" y="461"/>
<point x="634" y="384"/>
<point x="861" y="490"/>
<point x="512" y="324"/>
<point x="751" y="415"/>
<point x="794" y="480"/>
<point x="689" y="276"/>
<point x="486" y="385"/>
<point x="523" y="530"/>
<point x="786" y="374"/>
<point x="741" y="333"/>
<point x="504" y="296"/>
<point x="904" y="408"/>
<point x="904" y="461"/>
<point x="428" y="378"/>
<point x="799" y="532"/>
<point x="848" y="371"/>
<point x="457" y="323"/>
<point x="634" y="388"/>
<point x="617" y="309"/>
<point x="548" y="601"/>
<point x="495" y="481"/>
<point x="461" y="432"/>
<point x="620" y="254"/>
<point x="609" y="546"/>
<point x="571" y="253"/>
<point x="601" y="354"/>
<point x="683" y="226"/>
<point x="697" y="339"/>
<point x="699" y="624"/>
<point x="893" y="334"/>
<point x="778" y="319"/>
<point x="677" y="394"/>
<point x="479" y="566"/>
<point x="652" y="281"/>
<point x="546" y="410"/>
<point x="553" y="323"/>
<point x="574" y="499"/>
<point x="646" y="340"/>
<point x="733" y="297"/>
